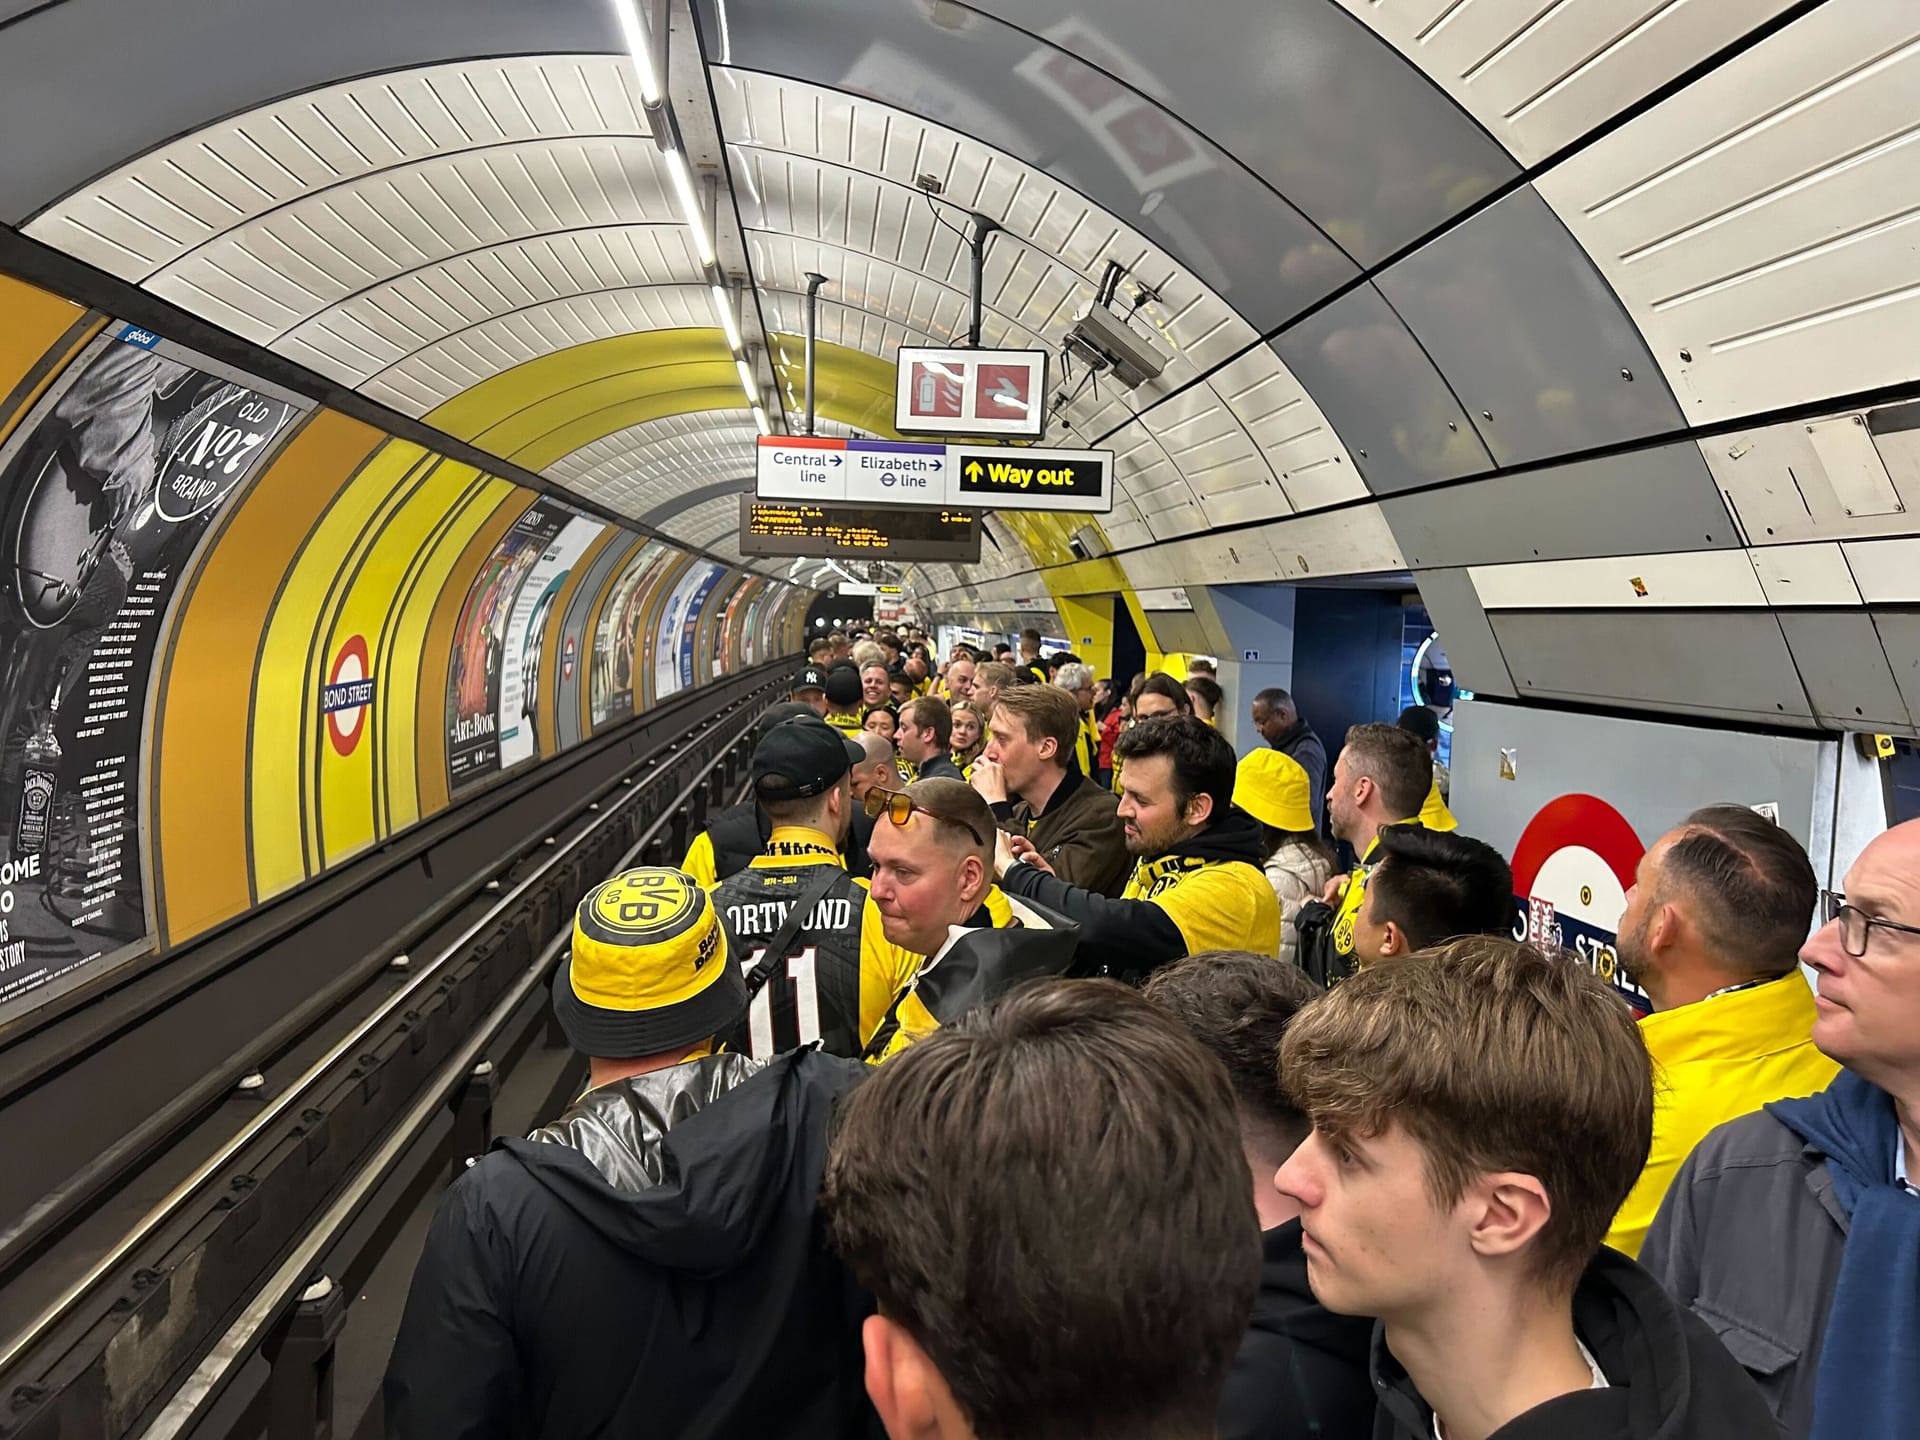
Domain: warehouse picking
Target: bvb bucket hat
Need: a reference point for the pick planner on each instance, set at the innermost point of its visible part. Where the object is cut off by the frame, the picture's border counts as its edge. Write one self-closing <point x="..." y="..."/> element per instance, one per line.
<point x="649" y="969"/>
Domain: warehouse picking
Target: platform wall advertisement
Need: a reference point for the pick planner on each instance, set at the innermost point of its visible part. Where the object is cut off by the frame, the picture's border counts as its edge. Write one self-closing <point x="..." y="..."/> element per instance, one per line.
<point x="616" y="644"/>
<point x="480" y="643"/>
<point x="106" y="490"/>
<point x="520" y="671"/>
<point x="676" y="638"/>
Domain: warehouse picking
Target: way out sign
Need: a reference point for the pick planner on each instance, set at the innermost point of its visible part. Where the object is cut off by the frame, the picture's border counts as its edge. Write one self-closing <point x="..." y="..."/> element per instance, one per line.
<point x="1025" y="477"/>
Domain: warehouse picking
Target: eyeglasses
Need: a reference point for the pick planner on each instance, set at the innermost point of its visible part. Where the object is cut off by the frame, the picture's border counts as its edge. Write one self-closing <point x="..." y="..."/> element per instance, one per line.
<point x="1855" y="922"/>
<point x="898" y="806"/>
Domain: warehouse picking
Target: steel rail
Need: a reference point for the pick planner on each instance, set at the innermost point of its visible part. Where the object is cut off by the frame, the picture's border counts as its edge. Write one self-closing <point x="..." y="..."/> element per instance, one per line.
<point x="240" y="1338"/>
<point x="169" y="1205"/>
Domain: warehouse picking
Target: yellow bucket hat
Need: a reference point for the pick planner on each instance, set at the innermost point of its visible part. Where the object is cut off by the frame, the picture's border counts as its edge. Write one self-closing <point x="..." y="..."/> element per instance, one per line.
<point x="1272" y="788"/>
<point x="649" y="969"/>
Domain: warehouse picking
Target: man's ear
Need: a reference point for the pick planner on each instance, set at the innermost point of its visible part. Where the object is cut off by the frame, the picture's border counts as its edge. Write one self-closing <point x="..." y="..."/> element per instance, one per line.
<point x="1393" y="941"/>
<point x="1667" y="928"/>
<point x="974" y="878"/>
<point x="1199" y="810"/>
<point x="1508" y="1209"/>
<point x="907" y="1392"/>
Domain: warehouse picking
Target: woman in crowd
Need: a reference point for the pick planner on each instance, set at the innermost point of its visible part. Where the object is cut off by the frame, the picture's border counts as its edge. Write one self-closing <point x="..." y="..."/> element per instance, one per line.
<point x="1272" y="788"/>
<point x="881" y="720"/>
<point x="969" y="735"/>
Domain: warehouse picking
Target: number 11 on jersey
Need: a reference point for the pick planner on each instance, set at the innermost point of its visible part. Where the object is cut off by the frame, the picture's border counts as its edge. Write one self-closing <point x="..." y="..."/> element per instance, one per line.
<point x="806" y="1005"/>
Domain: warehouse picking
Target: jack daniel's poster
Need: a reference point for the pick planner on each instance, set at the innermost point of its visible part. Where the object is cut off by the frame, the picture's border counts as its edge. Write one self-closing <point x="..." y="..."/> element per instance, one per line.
<point x="106" y="490"/>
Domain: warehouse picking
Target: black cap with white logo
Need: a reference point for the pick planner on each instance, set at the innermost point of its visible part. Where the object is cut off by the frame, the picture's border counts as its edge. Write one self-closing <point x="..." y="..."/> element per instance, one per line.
<point x="811" y="678"/>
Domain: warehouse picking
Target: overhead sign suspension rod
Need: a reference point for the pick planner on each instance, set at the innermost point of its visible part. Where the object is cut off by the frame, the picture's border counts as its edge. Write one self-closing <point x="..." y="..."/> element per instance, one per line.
<point x="977" y="246"/>
<point x="814" y="282"/>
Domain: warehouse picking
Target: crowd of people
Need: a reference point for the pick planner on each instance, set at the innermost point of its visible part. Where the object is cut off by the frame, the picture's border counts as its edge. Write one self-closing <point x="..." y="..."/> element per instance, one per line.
<point x="1019" y="1061"/>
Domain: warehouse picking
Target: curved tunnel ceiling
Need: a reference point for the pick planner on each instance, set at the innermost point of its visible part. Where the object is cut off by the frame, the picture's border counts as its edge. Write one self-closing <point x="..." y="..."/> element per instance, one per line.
<point x="1508" y="253"/>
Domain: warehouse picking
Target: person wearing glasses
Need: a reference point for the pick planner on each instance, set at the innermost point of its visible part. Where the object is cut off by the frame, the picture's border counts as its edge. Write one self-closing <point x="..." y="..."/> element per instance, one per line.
<point x="932" y="849"/>
<point x="1712" y="932"/>
<point x="1796" y="1230"/>
<point x="804" y="932"/>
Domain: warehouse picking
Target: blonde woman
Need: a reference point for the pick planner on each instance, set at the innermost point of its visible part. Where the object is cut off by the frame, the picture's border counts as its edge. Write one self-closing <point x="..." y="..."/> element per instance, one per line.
<point x="969" y="735"/>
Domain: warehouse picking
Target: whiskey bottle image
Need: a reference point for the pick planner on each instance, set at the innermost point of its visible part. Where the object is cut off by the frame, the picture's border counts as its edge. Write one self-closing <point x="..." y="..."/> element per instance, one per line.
<point x="39" y="780"/>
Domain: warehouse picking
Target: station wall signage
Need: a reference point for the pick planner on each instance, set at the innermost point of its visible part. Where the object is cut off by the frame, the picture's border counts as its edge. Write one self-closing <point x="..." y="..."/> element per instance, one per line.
<point x="904" y="472"/>
<point x="855" y="532"/>
<point x="999" y="393"/>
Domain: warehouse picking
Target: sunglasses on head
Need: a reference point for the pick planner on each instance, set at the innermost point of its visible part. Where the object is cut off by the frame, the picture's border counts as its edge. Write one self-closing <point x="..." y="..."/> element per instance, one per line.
<point x="898" y="806"/>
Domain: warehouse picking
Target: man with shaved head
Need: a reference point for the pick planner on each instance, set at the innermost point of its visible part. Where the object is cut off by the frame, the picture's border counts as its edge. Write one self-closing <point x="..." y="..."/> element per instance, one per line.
<point x="1796" y="1229"/>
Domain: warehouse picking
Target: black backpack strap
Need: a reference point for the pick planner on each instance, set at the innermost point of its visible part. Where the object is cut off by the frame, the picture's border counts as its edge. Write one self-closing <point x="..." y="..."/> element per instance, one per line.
<point x="803" y="906"/>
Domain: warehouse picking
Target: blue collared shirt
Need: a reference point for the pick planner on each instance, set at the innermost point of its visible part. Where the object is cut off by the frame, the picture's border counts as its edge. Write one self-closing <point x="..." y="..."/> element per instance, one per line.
<point x="1900" y="1165"/>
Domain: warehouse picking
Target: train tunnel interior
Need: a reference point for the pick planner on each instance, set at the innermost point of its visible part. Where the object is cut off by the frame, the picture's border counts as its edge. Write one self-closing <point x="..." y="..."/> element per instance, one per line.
<point x="380" y="390"/>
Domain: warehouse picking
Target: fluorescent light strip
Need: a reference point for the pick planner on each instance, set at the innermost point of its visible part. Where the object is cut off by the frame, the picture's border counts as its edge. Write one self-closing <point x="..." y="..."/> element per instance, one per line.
<point x="749" y="382"/>
<point x="690" y="204"/>
<point x="760" y="419"/>
<point x="723" y="307"/>
<point x="640" y="49"/>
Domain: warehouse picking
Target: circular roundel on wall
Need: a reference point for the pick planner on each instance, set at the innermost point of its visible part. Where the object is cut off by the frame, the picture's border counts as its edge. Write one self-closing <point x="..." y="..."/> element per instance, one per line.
<point x="1578" y="854"/>
<point x="347" y="697"/>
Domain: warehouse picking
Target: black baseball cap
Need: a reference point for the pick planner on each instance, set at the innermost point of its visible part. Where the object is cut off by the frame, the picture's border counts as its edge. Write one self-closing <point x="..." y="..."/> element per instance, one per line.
<point x="802" y="758"/>
<point x="843" y="687"/>
<point x="779" y="714"/>
<point x="811" y="678"/>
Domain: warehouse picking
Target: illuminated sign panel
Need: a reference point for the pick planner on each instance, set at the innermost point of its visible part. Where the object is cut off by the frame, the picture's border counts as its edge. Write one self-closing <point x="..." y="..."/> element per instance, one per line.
<point x="843" y="532"/>
<point x="997" y="393"/>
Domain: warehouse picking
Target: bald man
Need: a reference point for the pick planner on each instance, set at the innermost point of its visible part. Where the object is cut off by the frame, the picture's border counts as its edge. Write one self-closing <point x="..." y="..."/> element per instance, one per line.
<point x="877" y="770"/>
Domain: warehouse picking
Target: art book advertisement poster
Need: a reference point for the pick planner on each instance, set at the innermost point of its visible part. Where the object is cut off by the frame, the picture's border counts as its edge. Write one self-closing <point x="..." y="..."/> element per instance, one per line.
<point x="106" y="492"/>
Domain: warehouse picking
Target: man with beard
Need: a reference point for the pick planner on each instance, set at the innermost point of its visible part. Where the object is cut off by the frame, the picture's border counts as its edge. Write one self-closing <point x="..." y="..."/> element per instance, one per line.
<point x="1712" y="932"/>
<point x="1197" y="885"/>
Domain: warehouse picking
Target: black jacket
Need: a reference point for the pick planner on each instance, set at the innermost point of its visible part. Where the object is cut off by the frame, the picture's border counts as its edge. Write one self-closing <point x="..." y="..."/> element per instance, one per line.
<point x="1129" y="938"/>
<point x="1669" y="1378"/>
<point x="1301" y="745"/>
<point x="650" y="1264"/>
<point x="1301" y="1373"/>
<point x="940" y="767"/>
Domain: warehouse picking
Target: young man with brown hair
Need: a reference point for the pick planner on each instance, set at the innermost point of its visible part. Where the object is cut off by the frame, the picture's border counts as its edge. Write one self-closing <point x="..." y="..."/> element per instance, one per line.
<point x="1479" y="1112"/>
<point x="1029" y="777"/>
<point x="924" y="736"/>
<point x="1301" y="1370"/>
<point x="1049" y="1203"/>
<point x="1380" y="778"/>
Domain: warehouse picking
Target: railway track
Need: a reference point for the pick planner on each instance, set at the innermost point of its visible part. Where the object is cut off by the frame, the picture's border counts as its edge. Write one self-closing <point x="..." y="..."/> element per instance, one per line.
<point x="192" y="1141"/>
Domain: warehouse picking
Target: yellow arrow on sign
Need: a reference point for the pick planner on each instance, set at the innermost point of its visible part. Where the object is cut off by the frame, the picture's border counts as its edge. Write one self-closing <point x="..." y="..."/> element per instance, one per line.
<point x="973" y="470"/>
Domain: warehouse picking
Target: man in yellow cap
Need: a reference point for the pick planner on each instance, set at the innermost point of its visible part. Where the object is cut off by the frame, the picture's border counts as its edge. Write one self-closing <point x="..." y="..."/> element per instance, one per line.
<point x="1273" y="788"/>
<point x="647" y="1263"/>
